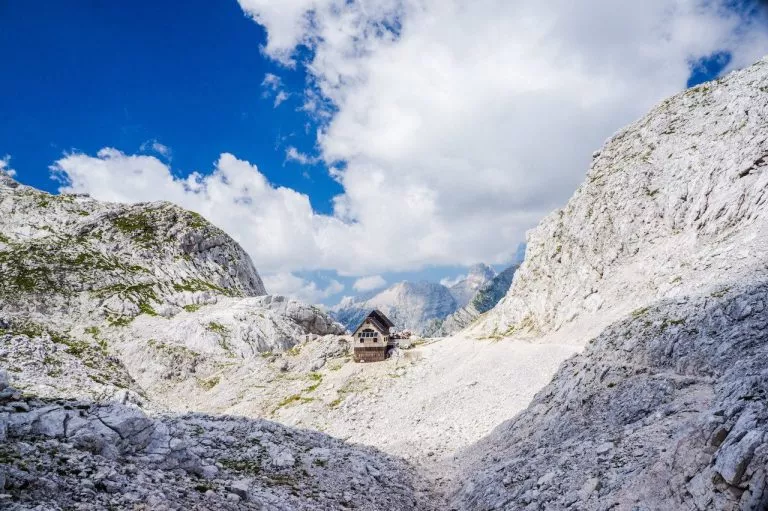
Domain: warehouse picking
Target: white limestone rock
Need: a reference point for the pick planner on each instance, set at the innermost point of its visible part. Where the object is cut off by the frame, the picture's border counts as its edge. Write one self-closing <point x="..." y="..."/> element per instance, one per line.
<point x="666" y="409"/>
<point x="672" y="204"/>
<point x="78" y="454"/>
<point x="478" y="276"/>
<point x="96" y="294"/>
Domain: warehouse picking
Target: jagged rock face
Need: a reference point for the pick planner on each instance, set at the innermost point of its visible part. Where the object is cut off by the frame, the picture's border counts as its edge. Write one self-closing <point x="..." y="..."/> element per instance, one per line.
<point x="80" y="259"/>
<point x="477" y="277"/>
<point x="673" y="202"/>
<point x="486" y="297"/>
<point x="77" y="454"/>
<point x="410" y="305"/>
<point x="667" y="409"/>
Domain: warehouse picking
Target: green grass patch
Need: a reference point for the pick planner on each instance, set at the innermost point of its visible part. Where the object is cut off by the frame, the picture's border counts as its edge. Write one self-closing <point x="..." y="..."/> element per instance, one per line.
<point x="317" y="378"/>
<point x="243" y="466"/>
<point x="217" y="328"/>
<point x="209" y="383"/>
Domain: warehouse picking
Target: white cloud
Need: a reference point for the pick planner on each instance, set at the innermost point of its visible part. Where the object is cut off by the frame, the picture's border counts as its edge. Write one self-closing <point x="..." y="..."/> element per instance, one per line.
<point x="157" y="148"/>
<point x="280" y="97"/>
<point x="460" y="123"/>
<point x="369" y="283"/>
<point x="5" y="162"/>
<point x="293" y="154"/>
<point x="271" y="81"/>
<point x="273" y="86"/>
<point x="295" y="287"/>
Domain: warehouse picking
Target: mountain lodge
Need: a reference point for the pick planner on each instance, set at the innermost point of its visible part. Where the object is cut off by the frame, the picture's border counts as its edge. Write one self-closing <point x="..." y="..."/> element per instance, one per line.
<point x="372" y="339"/>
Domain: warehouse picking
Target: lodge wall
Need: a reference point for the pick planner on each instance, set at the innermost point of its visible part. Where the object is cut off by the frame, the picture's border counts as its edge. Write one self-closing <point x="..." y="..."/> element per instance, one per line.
<point x="372" y="354"/>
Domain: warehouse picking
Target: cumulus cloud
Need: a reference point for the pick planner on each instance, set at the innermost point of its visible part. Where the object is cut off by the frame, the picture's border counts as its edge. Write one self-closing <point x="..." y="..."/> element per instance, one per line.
<point x="295" y="287"/>
<point x="369" y="283"/>
<point x="5" y="163"/>
<point x="452" y="126"/>
<point x="462" y="123"/>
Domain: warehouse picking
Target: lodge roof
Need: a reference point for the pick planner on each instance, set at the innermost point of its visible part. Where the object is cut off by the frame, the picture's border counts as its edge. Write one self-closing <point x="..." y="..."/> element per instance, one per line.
<point x="379" y="319"/>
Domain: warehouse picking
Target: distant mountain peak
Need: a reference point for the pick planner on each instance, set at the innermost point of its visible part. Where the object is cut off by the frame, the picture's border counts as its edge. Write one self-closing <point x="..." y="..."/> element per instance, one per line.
<point x="477" y="276"/>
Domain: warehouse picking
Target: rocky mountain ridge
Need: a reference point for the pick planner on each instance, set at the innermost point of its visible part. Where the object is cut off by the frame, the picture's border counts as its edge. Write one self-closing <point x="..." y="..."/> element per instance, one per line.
<point x="665" y="242"/>
<point x="410" y="305"/>
<point x="477" y="276"/>
<point x="107" y="292"/>
<point x="671" y="203"/>
<point x="485" y="298"/>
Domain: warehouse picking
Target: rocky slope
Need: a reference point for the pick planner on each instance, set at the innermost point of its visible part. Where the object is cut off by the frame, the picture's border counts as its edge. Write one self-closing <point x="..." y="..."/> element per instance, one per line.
<point x="670" y="204"/>
<point x="485" y="298"/>
<point x="466" y="289"/>
<point x="86" y="261"/>
<point x="68" y="454"/>
<point x="105" y="293"/>
<point x="668" y="407"/>
<point x="410" y="305"/>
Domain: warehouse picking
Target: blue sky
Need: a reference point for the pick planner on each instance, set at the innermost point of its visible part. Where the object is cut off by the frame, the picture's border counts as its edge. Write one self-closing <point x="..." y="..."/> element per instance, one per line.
<point x="89" y="74"/>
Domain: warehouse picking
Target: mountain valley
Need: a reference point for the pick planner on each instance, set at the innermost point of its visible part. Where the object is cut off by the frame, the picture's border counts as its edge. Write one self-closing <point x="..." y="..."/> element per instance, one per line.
<point x="621" y="366"/>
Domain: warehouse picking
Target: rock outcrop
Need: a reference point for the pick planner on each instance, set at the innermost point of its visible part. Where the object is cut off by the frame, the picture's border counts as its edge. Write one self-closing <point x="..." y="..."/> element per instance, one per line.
<point x="59" y="454"/>
<point x="485" y="298"/>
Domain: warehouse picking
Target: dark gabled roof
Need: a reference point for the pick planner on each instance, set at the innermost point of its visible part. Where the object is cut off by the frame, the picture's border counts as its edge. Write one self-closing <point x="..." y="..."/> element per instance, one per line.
<point x="378" y="317"/>
<point x="376" y="313"/>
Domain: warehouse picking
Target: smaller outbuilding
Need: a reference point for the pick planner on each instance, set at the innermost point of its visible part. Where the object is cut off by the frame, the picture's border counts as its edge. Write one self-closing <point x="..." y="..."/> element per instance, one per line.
<point x="372" y="340"/>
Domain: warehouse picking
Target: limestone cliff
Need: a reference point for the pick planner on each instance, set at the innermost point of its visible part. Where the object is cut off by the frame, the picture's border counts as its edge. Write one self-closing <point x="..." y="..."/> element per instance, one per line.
<point x="667" y="408"/>
<point x="672" y="203"/>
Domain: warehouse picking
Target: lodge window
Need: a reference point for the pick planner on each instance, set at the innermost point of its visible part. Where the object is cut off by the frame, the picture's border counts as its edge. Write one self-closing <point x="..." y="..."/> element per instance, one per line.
<point x="369" y="334"/>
